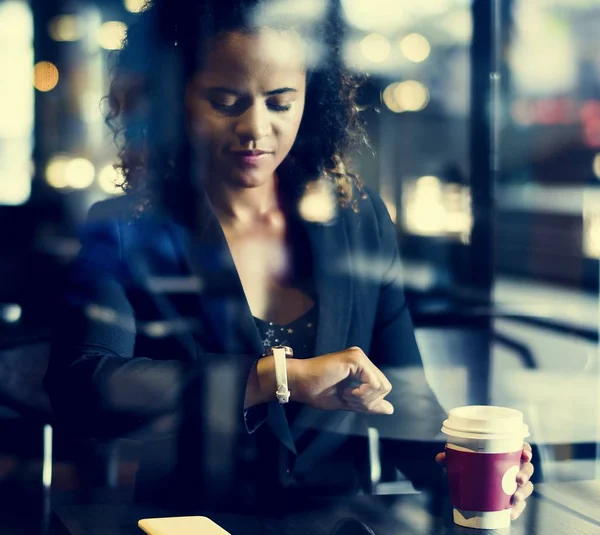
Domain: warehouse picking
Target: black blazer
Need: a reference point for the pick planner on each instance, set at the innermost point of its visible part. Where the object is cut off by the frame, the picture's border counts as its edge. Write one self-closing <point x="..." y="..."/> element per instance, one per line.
<point x="155" y="324"/>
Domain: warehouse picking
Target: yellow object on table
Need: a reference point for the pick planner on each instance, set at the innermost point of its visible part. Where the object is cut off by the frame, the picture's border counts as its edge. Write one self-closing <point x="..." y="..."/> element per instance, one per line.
<point x="181" y="525"/>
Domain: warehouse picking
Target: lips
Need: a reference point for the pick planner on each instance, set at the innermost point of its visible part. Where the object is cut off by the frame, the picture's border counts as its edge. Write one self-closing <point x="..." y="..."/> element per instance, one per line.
<point x="249" y="152"/>
<point x="249" y="158"/>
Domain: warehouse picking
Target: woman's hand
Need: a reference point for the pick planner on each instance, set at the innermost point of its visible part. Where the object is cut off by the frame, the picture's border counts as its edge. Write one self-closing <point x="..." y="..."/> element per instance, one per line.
<point x="525" y="487"/>
<point x="345" y="380"/>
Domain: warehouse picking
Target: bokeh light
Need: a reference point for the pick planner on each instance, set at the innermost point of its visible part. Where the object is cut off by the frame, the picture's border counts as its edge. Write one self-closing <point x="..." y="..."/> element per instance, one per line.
<point x="79" y="173"/>
<point x="112" y="34"/>
<point x="597" y="166"/>
<point x="65" y="28"/>
<point x="10" y="313"/>
<point x="376" y="15"/>
<point x="591" y="236"/>
<point x="15" y="20"/>
<point x="287" y="11"/>
<point x="459" y="26"/>
<point x="15" y="183"/>
<point x="415" y="47"/>
<point x="411" y="95"/>
<point x="432" y="208"/>
<point x="543" y="53"/>
<point x="135" y="6"/>
<point x="45" y="76"/>
<point x="56" y="171"/>
<point x="375" y="48"/>
<point x="318" y="204"/>
<point x="108" y="178"/>
<point x="430" y="7"/>
<point x="406" y="96"/>
<point x="389" y="100"/>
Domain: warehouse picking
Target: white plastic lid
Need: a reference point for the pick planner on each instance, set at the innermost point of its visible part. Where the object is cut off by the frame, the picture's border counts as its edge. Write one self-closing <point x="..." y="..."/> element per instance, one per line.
<point x="485" y="419"/>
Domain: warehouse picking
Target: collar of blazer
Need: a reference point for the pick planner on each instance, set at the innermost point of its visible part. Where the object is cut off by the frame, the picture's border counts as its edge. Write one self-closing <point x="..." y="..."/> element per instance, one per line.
<point x="224" y="306"/>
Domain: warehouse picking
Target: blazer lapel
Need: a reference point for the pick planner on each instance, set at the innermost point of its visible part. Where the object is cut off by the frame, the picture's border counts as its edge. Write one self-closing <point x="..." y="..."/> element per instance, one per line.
<point x="222" y="302"/>
<point x="333" y="282"/>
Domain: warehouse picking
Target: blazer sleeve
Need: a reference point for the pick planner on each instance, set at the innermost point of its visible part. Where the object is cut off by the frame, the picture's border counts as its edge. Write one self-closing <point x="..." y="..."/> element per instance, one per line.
<point x="96" y="385"/>
<point x="411" y="436"/>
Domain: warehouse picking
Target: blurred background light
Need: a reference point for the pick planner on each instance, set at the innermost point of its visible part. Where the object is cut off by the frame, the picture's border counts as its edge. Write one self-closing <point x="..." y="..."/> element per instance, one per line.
<point x="406" y="96"/>
<point x="389" y="99"/>
<point x="16" y="22"/>
<point x="431" y="208"/>
<point x="112" y="34"/>
<point x="430" y="7"/>
<point x="458" y="25"/>
<point x="90" y="106"/>
<point x="597" y="166"/>
<point x="375" y="15"/>
<point x="415" y="47"/>
<point x="65" y="28"/>
<point x="56" y="174"/>
<point x="108" y="178"/>
<point x="15" y="184"/>
<point x="543" y="55"/>
<point x="135" y="6"/>
<point x="591" y="133"/>
<point x="591" y="223"/>
<point x="411" y="95"/>
<point x="16" y="102"/>
<point x="521" y="113"/>
<point x="79" y="173"/>
<point x="375" y="47"/>
<point x="318" y="203"/>
<point x="280" y="11"/>
<point x="10" y="312"/>
<point x="591" y="236"/>
<point x="45" y="76"/>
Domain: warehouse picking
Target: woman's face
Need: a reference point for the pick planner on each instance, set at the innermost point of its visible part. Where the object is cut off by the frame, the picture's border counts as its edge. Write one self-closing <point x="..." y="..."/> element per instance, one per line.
<point x="246" y="104"/>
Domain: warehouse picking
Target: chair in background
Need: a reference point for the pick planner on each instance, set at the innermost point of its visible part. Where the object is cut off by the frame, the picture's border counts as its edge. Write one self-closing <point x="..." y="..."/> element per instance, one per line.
<point x="26" y="409"/>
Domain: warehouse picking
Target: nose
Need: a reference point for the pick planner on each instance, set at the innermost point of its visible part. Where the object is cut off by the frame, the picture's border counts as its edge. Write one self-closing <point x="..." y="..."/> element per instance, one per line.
<point x="253" y="125"/>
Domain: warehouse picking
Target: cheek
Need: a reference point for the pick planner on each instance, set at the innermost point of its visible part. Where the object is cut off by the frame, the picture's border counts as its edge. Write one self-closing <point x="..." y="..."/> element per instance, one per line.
<point x="206" y="129"/>
<point x="290" y="129"/>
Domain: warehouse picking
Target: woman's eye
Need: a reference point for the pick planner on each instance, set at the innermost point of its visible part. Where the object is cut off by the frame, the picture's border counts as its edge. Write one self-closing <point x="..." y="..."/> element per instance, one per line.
<point x="278" y="107"/>
<point x="223" y="106"/>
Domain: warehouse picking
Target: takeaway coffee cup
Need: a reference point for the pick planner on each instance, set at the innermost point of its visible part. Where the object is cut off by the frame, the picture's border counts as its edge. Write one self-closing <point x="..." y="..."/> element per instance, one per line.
<point x="483" y="457"/>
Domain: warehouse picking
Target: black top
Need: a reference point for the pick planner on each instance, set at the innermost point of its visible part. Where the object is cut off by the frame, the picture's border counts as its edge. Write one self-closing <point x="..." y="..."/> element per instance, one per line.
<point x="301" y="336"/>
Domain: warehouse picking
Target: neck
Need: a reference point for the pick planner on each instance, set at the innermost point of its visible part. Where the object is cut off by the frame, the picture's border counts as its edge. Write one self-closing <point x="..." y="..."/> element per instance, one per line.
<point x="240" y="206"/>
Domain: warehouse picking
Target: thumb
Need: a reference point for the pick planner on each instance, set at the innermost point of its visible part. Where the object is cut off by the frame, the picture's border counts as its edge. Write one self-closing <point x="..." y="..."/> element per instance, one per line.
<point x="383" y="407"/>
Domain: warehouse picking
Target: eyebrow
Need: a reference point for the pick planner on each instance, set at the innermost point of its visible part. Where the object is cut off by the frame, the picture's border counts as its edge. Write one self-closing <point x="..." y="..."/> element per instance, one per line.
<point x="280" y="91"/>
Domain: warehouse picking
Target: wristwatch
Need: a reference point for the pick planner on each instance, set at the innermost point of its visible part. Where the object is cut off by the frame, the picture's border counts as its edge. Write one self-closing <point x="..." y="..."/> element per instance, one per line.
<point x="280" y="353"/>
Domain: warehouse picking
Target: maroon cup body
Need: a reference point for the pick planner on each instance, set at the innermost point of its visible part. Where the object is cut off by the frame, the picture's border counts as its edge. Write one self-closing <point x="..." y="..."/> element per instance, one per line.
<point x="482" y="481"/>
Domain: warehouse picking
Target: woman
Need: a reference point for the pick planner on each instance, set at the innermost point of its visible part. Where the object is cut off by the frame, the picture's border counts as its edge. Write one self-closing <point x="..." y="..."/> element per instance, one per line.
<point x="243" y="229"/>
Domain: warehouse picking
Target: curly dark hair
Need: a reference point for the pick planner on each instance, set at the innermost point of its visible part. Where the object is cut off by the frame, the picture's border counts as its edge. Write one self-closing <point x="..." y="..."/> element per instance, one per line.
<point x="146" y="110"/>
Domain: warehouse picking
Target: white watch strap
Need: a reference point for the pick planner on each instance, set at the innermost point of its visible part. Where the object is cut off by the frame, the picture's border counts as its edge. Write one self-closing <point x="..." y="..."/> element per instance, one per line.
<point x="282" y="393"/>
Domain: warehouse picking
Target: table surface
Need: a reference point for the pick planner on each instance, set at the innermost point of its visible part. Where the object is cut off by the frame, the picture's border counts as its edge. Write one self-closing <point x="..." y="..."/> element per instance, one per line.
<point x="555" y="508"/>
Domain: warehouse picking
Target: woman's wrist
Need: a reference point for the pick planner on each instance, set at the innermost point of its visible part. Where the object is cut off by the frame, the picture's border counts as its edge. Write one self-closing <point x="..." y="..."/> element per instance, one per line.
<point x="295" y="370"/>
<point x="261" y="384"/>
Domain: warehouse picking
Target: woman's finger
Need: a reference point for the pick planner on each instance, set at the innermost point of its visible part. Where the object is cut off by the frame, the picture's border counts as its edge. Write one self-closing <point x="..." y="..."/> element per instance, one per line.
<point x="523" y="493"/>
<point x="527" y="454"/>
<point x="375" y="386"/>
<point x="440" y="458"/>
<point x="525" y="473"/>
<point x="517" y="510"/>
<point x="379" y="406"/>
